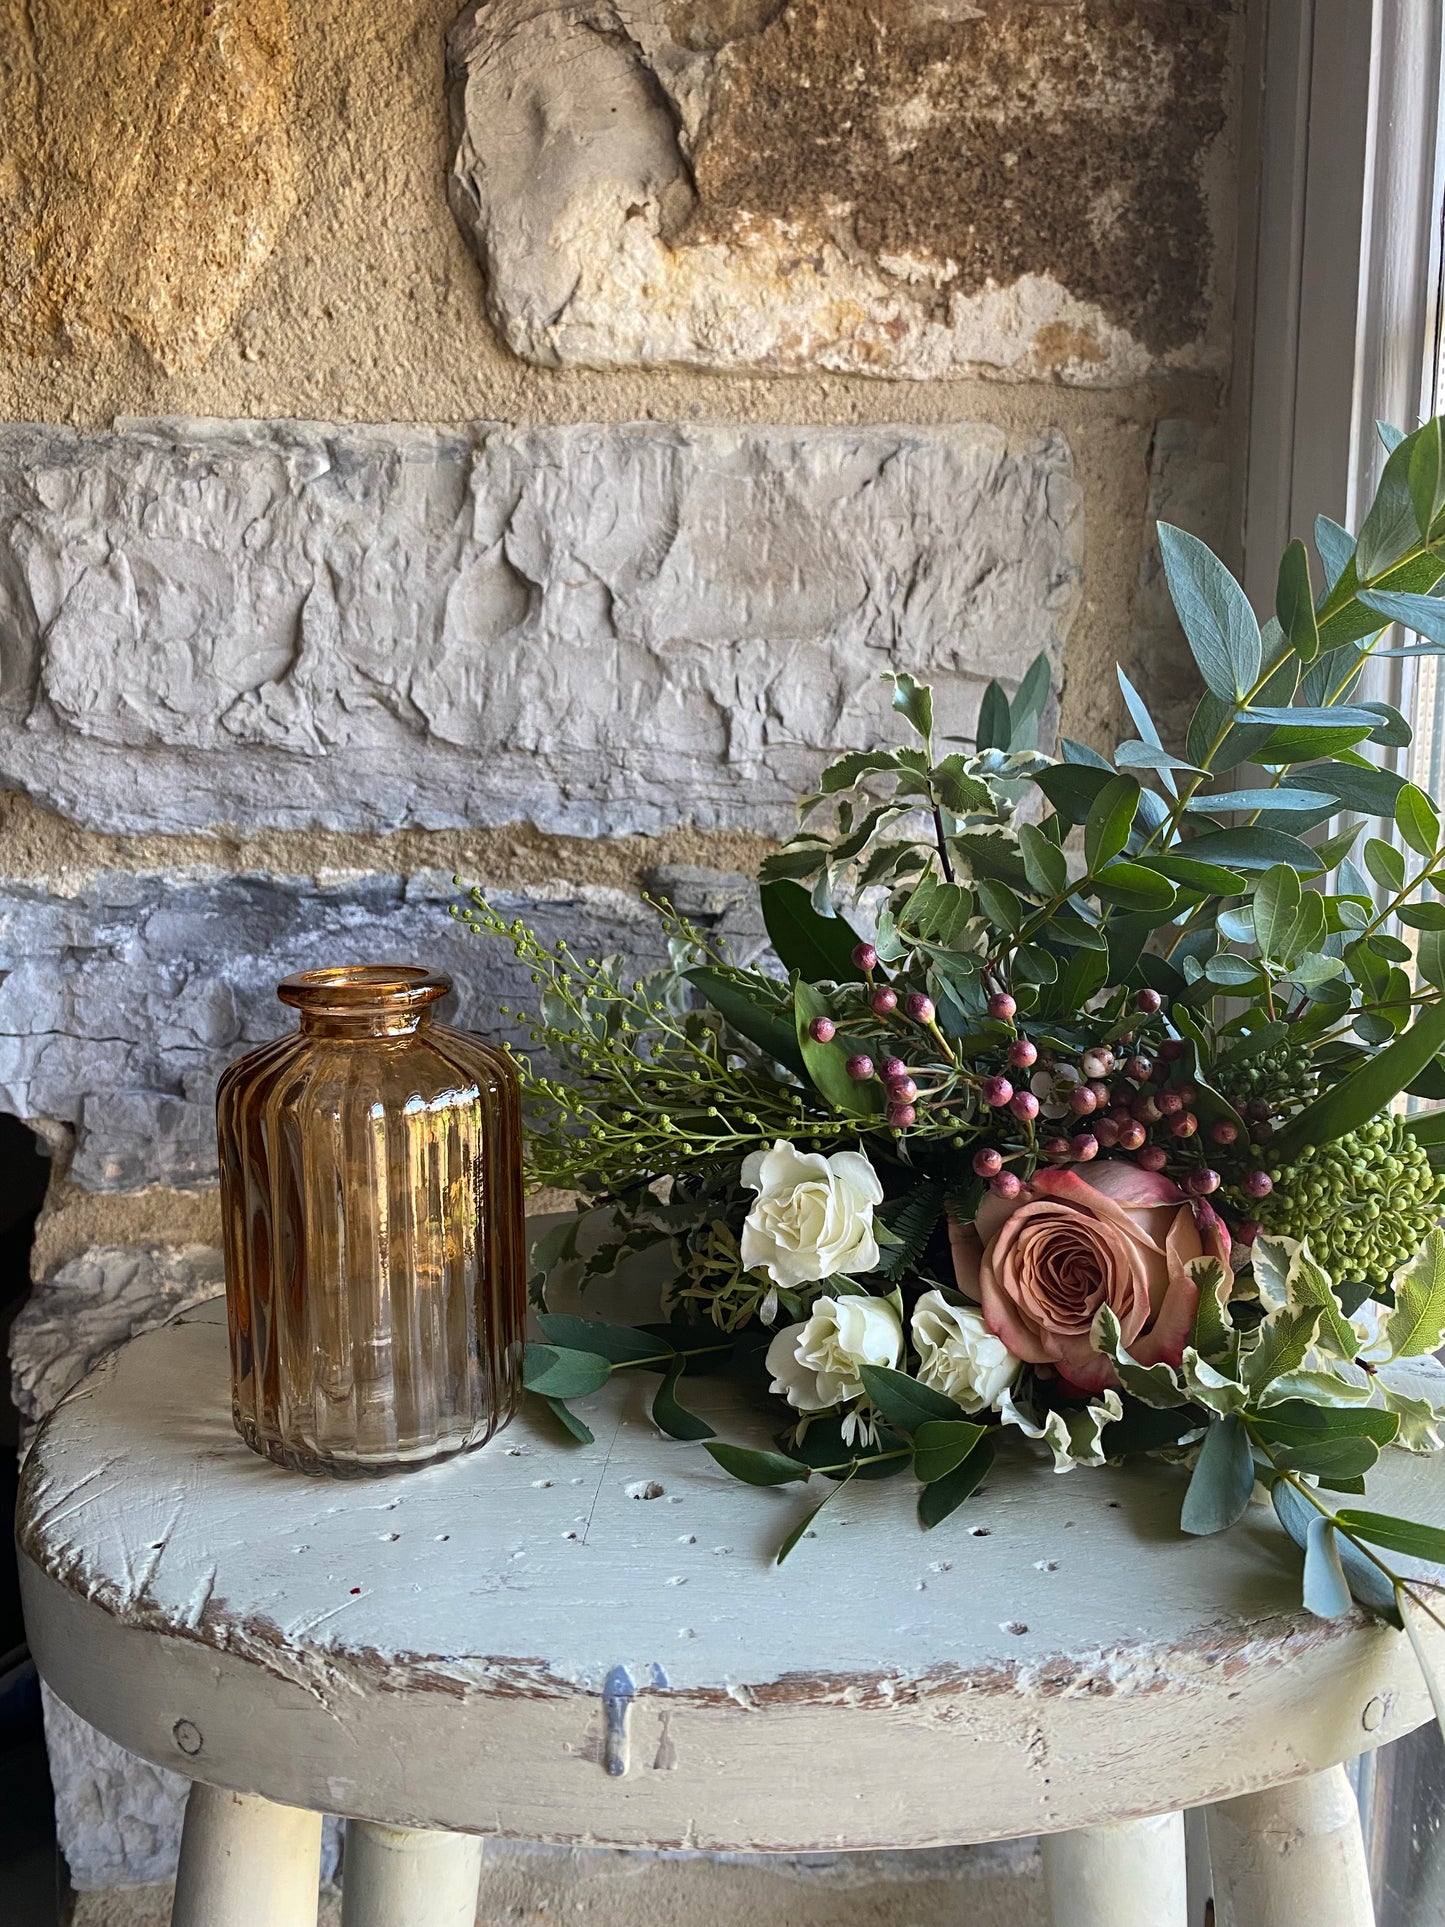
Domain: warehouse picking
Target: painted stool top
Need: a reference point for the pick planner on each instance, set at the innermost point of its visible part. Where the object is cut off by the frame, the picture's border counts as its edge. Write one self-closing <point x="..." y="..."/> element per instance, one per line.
<point x="591" y="1643"/>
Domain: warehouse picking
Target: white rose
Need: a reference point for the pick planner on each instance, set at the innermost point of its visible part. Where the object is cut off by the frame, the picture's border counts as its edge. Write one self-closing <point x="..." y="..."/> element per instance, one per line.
<point x="815" y="1365"/>
<point x="813" y="1216"/>
<point x="959" y="1355"/>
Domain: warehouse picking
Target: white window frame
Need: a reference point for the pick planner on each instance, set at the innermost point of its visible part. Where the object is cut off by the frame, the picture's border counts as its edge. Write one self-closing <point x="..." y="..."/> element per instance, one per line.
<point x="1339" y="323"/>
<point x="1343" y="285"/>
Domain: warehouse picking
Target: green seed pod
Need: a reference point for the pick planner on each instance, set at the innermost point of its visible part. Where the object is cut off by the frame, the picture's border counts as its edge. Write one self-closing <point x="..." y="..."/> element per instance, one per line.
<point x="1365" y="1202"/>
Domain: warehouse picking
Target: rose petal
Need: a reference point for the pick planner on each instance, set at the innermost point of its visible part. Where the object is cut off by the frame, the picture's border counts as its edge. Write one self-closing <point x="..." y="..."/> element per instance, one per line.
<point x="1115" y="1178"/>
<point x="1164" y="1342"/>
<point x="967" y="1248"/>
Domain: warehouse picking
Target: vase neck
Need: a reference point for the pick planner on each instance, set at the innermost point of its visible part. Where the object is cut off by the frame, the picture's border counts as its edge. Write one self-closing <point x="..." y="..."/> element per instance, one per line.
<point x="362" y="1001"/>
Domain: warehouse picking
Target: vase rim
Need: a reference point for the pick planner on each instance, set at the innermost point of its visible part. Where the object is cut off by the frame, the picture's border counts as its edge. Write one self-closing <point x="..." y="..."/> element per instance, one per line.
<point x="357" y="987"/>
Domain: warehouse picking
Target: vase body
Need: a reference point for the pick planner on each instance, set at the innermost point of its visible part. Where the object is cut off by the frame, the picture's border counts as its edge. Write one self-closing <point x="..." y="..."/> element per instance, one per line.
<point x="371" y="1191"/>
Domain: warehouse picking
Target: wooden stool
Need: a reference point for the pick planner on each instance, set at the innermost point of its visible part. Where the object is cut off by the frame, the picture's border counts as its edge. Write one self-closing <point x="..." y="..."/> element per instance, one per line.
<point x="590" y="1644"/>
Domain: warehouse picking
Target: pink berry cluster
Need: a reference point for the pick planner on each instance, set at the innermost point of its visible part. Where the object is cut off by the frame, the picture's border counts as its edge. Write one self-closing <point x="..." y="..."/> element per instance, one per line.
<point x="884" y="1001"/>
<point x="1125" y="1100"/>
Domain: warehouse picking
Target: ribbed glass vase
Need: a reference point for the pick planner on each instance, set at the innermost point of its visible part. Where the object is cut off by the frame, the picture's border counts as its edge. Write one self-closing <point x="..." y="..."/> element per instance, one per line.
<point x="371" y="1186"/>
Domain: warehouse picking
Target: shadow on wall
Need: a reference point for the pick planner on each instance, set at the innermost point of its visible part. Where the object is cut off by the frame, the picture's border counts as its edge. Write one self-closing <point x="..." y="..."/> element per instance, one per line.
<point x="30" y="1867"/>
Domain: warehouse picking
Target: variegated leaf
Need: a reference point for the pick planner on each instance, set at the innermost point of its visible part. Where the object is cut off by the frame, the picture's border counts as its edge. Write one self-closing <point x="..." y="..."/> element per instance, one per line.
<point x="1418" y="1323"/>
<point x="1211" y="1388"/>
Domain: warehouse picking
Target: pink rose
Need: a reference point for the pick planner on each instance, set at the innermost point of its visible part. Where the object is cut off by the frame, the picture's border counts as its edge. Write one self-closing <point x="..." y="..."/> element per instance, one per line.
<point x="1042" y="1264"/>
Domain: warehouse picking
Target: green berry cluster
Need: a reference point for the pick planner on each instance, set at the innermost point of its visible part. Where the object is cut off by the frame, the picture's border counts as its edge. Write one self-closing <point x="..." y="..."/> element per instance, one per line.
<point x="1284" y="1078"/>
<point x="1365" y="1202"/>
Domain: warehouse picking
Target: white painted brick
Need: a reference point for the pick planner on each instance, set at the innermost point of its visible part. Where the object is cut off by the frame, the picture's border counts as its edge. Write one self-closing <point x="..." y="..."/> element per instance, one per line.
<point x="598" y="629"/>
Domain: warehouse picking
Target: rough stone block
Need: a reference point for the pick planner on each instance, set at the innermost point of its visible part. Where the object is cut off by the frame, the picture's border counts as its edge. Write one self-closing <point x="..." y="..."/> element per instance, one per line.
<point x="123" y="1000"/>
<point x="146" y="167"/>
<point x="95" y="1302"/>
<point x="907" y="189"/>
<point x="600" y="629"/>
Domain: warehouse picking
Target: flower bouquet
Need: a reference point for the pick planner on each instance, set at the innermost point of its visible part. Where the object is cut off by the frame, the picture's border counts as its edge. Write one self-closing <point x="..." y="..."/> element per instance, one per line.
<point x="1071" y="1103"/>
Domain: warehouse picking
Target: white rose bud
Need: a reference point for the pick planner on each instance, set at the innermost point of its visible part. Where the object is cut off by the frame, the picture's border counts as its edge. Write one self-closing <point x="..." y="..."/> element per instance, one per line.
<point x="813" y="1216"/>
<point x="958" y="1354"/>
<point x="815" y="1365"/>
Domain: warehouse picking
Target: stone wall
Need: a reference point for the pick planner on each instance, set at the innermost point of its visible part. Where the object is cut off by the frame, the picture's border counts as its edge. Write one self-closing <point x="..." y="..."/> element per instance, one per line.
<point x="511" y="445"/>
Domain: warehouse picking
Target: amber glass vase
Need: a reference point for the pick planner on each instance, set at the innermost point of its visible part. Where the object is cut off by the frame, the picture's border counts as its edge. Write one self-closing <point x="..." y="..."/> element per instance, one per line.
<point x="371" y="1186"/>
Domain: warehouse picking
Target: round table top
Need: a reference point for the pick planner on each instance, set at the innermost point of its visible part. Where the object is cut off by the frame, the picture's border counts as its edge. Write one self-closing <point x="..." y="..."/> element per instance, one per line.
<point x="570" y="1642"/>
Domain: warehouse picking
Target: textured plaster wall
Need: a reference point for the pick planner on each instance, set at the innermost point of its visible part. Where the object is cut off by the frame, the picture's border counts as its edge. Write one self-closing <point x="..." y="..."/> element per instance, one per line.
<point x="238" y="209"/>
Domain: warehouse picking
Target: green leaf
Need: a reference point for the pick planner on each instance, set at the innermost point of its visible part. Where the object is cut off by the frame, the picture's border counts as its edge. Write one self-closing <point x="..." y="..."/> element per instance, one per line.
<point x="806" y="1521"/>
<point x="1357" y="785"/>
<point x="1392" y="730"/>
<point x="757" y="1013"/>
<point x="1396" y="1535"/>
<point x="756" y="1468"/>
<point x="941" y="1445"/>
<point x="848" y="771"/>
<point x="1427" y="477"/>
<point x="820" y="948"/>
<point x="1284" y="1340"/>
<point x="1366" y="1582"/>
<point x="1290" y="801"/>
<point x="1276" y="902"/>
<point x="1212" y="878"/>
<point x="1294" y="604"/>
<point x="672" y="1417"/>
<point x="1213" y="612"/>
<point x="827" y="1064"/>
<point x="913" y="700"/>
<point x="906" y="1402"/>
<point x="1223" y="1479"/>
<point x="1337" y="716"/>
<point x="617" y="1343"/>
<point x="1367" y="1090"/>
<point x="570" y="1422"/>
<point x="1073" y="788"/>
<point x="559" y="1372"/>
<point x="1253" y="849"/>
<point x="1296" y="1422"/>
<point x="1044" y="862"/>
<point x="1422" y="916"/>
<point x="994" y="725"/>
<point x="1424" y="614"/>
<point x="1133" y="885"/>
<point x="958" y="790"/>
<point x="943" y="1496"/>
<point x="1417" y="820"/>
<point x="1390" y="530"/>
<point x="1334" y="546"/>
<point x="1326" y="1593"/>
<point x="1030" y="699"/>
<point x="1417" y="1324"/>
<point x="1107" y="826"/>
<point x="1385" y="864"/>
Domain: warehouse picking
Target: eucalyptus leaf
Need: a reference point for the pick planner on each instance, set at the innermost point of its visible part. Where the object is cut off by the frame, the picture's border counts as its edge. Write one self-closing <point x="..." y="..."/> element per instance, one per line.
<point x="756" y="1468"/>
<point x="1326" y="1593"/>
<point x="1334" y="546"/>
<point x="617" y="1343"/>
<point x="1294" y="603"/>
<point x="558" y="1372"/>
<point x="570" y="1422"/>
<point x="1223" y="1479"/>
<point x="1213" y="612"/>
<point x="673" y="1417"/>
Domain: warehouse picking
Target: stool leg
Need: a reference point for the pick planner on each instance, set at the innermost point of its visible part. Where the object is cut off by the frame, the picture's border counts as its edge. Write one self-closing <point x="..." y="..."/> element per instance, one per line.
<point x="243" y="1860"/>
<point x="1127" y="1875"/>
<point x="1291" y="1856"/>
<point x="403" y="1877"/>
